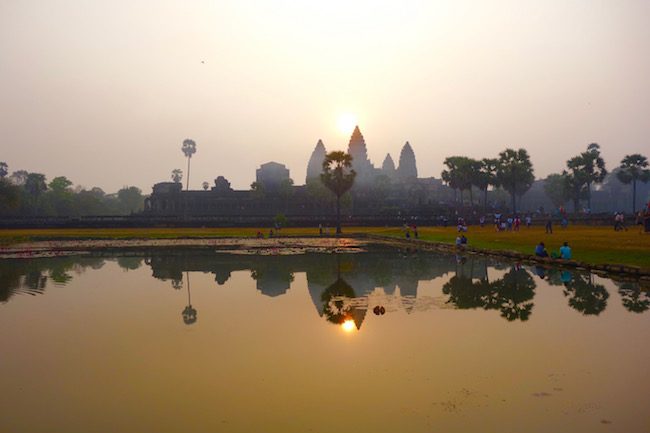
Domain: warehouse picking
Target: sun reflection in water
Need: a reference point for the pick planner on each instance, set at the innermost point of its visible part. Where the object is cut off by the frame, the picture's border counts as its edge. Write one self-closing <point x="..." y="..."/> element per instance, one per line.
<point x="348" y="325"/>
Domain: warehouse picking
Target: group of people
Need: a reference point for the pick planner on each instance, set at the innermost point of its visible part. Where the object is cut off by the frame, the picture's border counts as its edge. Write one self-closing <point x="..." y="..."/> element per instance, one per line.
<point x="564" y="253"/>
<point x="410" y="228"/>
<point x="511" y="223"/>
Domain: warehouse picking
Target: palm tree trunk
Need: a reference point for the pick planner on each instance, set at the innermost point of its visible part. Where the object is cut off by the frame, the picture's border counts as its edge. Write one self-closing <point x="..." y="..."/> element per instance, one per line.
<point x="589" y="195"/>
<point x="338" y="214"/>
<point x="187" y="184"/>
<point x="514" y="203"/>
<point x="633" y="196"/>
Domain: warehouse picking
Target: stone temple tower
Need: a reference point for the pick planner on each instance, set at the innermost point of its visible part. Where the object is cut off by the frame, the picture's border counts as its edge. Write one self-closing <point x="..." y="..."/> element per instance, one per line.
<point x="360" y="162"/>
<point x="315" y="165"/>
<point x="407" y="169"/>
<point x="388" y="167"/>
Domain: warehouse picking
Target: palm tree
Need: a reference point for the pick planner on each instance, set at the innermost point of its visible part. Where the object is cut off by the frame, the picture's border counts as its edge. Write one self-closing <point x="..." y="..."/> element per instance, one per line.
<point x="633" y="168"/>
<point x="205" y="185"/>
<point x="338" y="176"/>
<point x="485" y="174"/>
<point x="515" y="173"/>
<point x="458" y="174"/>
<point x="588" y="167"/>
<point x="189" y="149"/>
<point x="177" y="175"/>
<point x="4" y="169"/>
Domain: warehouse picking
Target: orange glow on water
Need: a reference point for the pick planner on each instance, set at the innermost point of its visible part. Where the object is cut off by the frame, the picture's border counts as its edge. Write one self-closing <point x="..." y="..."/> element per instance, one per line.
<point x="348" y="325"/>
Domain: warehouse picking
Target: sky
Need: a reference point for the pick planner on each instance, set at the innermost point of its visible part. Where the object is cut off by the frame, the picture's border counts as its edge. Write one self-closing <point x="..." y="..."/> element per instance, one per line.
<point x="105" y="92"/>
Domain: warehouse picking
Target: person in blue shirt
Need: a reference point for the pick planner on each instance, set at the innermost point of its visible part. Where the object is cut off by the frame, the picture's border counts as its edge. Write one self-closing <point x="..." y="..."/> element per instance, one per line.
<point x="565" y="251"/>
<point x="540" y="250"/>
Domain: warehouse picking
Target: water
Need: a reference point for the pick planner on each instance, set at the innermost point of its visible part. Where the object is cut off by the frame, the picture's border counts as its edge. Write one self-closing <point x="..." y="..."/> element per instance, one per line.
<point x="179" y="341"/>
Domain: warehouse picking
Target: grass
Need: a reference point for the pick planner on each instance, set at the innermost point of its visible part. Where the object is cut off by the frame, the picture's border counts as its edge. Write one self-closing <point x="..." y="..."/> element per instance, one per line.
<point x="595" y="245"/>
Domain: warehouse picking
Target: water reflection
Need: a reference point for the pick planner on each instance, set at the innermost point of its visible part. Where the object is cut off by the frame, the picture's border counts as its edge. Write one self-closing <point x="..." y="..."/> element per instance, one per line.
<point x="343" y="287"/>
<point x="511" y="295"/>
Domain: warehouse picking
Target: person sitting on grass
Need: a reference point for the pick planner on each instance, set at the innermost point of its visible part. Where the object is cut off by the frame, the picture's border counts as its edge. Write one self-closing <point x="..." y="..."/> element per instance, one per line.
<point x="540" y="250"/>
<point x="565" y="251"/>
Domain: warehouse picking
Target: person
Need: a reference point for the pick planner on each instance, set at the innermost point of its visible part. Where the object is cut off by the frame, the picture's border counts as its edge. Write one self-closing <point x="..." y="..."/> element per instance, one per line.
<point x="459" y="242"/>
<point x="549" y="224"/>
<point x="259" y="234"/>
<point x="529" y="221"/>
<point x="463" y="240"/>
<point x="565" y="251"/>
<point x="415" y="231"/>
<point x="320" y="229"/>
<point x="271" y="233"/>
<point x="481" y="221"/>
<point x="516" y="223"/>
<point x="540" y="250"/>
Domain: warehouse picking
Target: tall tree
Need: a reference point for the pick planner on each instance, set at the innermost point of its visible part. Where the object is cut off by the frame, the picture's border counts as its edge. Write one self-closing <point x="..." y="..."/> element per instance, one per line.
<point x="9" y="195"/>
<point x="35" y="186"/>
<point x="633" y="169"/>
<point x="177" y="175"/>
<point x="60" y="184"/>
<point x="19" y="177"/>
<point x="338" y="176"/>
<point x="189" y="149"/>
<point x="205" y="185"/>
<point x="576" y="185"/>
<point x="589" y="167"/>
<point x="485" y="174"/>
<point x="458" y="174"/>
<point x="515" y="173"/>
<point x="131" y="199"/>
<point x="4" y="169"/>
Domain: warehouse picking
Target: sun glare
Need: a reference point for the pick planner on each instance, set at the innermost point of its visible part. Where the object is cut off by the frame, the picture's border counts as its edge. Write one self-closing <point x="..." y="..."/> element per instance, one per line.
<point x="346" y="123"/>
<point x="348" y="325"/>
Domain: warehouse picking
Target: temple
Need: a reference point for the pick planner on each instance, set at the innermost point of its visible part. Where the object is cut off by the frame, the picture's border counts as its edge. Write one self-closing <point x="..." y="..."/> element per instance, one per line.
<point x="388" y="190"/>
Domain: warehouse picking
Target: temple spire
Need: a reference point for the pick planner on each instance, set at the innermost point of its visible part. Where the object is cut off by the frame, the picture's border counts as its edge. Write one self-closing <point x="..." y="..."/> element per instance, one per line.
<point x="315" y="164"/>
<point x="407" y="168"/>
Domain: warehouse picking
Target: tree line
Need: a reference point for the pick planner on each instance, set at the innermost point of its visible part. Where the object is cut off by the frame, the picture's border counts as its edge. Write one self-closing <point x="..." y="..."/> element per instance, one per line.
<point x="513" y="172"/>
<point x="30" y="194"/>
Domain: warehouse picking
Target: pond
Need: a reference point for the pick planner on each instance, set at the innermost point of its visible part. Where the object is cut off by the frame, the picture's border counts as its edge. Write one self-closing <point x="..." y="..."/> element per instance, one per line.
<point x="178" y="340"/>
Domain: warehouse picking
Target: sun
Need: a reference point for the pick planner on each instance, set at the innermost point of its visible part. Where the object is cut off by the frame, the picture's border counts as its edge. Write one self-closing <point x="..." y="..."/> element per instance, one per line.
<point x="346" y="123"/>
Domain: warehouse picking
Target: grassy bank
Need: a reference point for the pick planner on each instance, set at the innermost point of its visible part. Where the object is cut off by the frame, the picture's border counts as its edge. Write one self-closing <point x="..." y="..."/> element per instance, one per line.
<point x="596" y="245"/>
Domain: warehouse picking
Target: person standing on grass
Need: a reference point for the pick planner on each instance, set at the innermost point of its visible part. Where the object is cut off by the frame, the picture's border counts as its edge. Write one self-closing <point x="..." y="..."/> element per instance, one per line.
<point x="549" y="224"/>
<point x="529" y="221"/>
<point x="565" y="251"/>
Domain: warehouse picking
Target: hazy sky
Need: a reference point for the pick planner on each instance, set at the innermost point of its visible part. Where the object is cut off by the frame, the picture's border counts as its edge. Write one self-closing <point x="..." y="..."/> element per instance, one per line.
<point x="105" y="92"/>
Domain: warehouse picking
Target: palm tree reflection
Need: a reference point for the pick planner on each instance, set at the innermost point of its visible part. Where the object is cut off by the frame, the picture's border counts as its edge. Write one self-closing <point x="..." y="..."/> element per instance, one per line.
<point x="586" y="296"/>
<point x="511" y="295"/>
<point x="633" y="298"/>
<point x="189" y="313"/>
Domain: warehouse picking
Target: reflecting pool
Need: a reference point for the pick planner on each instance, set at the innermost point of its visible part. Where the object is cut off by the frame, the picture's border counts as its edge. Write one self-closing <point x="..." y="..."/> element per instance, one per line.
<point x="192" y="340"/>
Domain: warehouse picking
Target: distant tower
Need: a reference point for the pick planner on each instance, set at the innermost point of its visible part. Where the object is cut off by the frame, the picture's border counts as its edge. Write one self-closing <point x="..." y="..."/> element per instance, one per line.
<point x="360" y="162"/>
<point x="315" y="165"/>
<point x="388" y="167"/>
<point x="407" y="168"/>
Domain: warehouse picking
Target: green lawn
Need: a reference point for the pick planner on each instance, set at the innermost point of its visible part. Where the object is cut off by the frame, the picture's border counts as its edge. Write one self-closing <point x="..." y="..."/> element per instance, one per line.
<point x="594" y="245"/>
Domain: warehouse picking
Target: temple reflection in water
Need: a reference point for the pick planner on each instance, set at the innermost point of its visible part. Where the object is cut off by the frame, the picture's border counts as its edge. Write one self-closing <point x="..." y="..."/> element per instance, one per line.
<point x="345" y="287"/>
